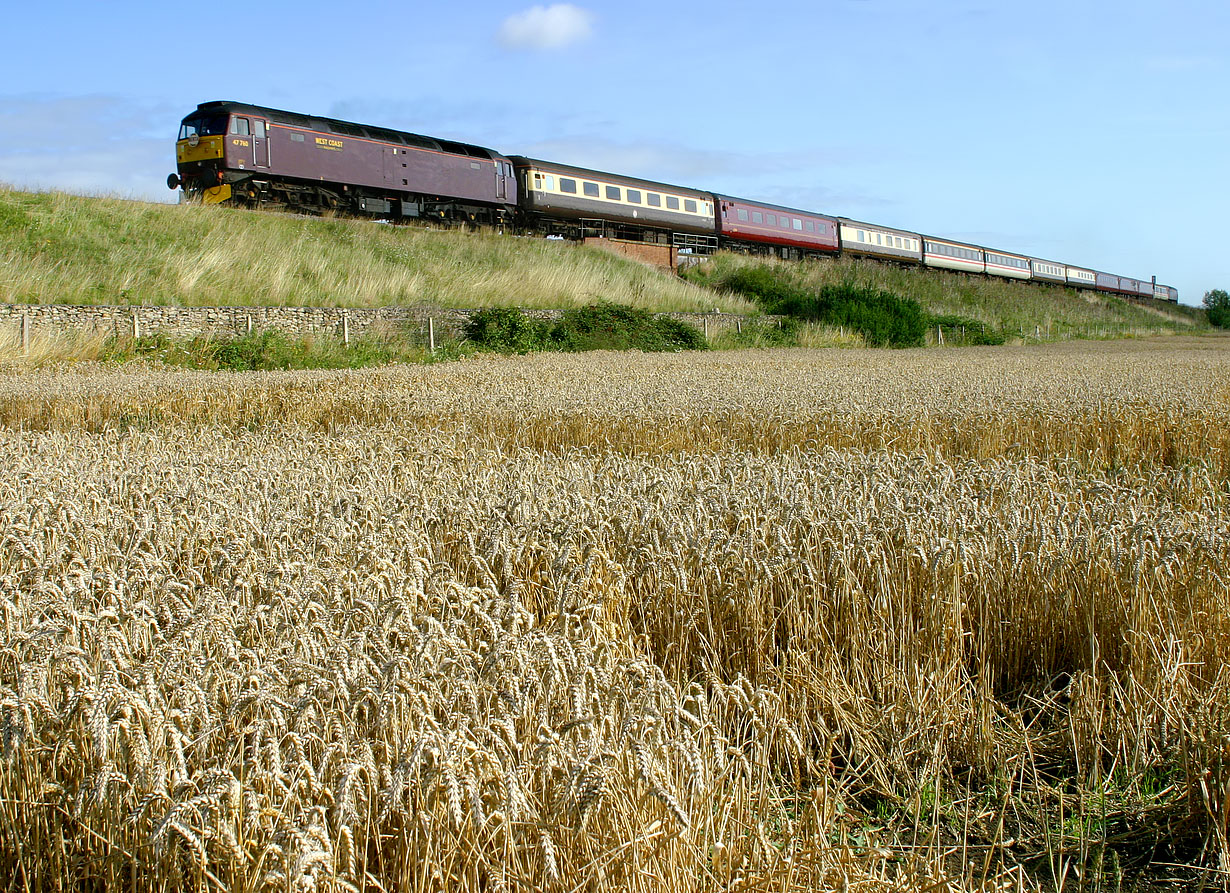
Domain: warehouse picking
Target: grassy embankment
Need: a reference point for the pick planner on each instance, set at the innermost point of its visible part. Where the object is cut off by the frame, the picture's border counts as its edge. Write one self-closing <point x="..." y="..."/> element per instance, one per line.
<point x="59" y="248"/>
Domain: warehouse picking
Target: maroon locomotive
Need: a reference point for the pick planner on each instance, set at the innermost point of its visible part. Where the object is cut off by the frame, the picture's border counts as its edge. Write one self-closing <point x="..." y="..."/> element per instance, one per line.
<point x="228" y="151"/>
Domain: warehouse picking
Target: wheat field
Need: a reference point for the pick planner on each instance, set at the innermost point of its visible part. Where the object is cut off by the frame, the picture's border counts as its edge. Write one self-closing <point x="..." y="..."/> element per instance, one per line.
<point x="777" y="620"/>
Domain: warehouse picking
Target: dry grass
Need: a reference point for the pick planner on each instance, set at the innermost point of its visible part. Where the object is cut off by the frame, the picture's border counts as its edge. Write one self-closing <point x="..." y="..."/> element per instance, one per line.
<point x="775" y="620"/>
<point x="59" y="248"/>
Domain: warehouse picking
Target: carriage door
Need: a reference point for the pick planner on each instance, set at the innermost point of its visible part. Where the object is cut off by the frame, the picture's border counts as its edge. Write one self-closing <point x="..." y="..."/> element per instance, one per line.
<point x="260" y="143"/>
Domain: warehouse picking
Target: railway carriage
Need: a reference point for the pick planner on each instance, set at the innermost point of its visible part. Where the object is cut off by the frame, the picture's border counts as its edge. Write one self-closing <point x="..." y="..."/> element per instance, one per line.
<point x="1047" y="271"/>
<point x="953" y="255"/>
<point x="1011" y="266"/>
<point x="745" y="224"/>
<point x="576" y="202"/>
<point x="870" y="239"/>
<point x="1081" y="278"/>
<point x="1106" y="282"/>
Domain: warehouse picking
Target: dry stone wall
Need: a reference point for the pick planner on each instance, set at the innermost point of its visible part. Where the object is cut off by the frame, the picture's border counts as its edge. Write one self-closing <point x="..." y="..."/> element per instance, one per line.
<point x="344" y="322"/>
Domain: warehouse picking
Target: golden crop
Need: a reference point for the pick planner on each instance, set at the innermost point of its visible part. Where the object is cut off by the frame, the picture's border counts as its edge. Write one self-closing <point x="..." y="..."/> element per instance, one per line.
<point x="782" y="620"/>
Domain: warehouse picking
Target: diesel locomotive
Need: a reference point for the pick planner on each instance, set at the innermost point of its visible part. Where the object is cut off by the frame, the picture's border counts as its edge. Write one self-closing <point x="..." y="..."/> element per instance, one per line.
<point x="230" y="152"/>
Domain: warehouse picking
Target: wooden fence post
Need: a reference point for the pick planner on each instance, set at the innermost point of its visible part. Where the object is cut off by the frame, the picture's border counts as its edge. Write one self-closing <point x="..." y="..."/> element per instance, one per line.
<point x="136" y="325"/>
<point x="25" y="335"/>
<point x="431" y="335"/>
<point x="346" y="328"/>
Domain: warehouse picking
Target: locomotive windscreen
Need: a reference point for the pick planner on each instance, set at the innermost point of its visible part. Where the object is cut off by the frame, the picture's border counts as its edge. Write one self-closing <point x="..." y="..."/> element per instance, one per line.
<point x="209" y="125"/>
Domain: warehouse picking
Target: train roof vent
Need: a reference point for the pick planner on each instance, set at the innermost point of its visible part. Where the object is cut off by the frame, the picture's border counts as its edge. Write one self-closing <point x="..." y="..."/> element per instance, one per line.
<point x="420" y="142"/>
<point x="464" y="149"/>
<point x="347" y="129"/>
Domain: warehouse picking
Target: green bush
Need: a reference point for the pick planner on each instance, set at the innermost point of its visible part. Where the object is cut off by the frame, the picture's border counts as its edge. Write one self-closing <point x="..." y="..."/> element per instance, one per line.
<point x="507" y="330"/>
<point x="607" y="326"/>
<point x="882" y="318"/>
<point x="602" y="326"/>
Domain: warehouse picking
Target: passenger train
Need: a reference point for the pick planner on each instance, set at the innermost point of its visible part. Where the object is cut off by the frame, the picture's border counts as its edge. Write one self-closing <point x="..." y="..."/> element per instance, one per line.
<point x="256" y="156"/>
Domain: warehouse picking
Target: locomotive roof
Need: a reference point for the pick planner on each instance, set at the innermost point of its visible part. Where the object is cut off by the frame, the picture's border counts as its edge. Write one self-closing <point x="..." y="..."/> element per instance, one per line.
<point x="346" y="128"/>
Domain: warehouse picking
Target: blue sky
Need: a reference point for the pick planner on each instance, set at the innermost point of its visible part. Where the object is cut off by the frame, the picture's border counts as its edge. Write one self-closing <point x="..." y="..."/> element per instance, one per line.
<point x="1092" y="133"/>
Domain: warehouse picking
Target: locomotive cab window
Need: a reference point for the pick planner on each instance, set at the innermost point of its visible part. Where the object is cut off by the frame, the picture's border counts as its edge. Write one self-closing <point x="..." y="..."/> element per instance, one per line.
<point x="239" y="126"/>
<point x="214" y="125"/>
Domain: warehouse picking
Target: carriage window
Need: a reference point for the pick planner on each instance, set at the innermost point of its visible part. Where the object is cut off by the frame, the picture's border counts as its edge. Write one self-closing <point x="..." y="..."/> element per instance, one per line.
<point x="672" y="203"/>
<point x="566" y="185"/>
<point x="757" y="217"/>
<point x="797" y="224"/>
<point x="743" y="214"/>
<point x="811" y="227"/>
<point x="239" y="126"/>
<point x="771" y="219"/>
<point x="591" y="189"/>
<point x="612" y="192"/>
<point x="634" y="196"/>
<point x="689" y="205"/>
<point x="653" y="199"/>
<point x="860" y="235"/>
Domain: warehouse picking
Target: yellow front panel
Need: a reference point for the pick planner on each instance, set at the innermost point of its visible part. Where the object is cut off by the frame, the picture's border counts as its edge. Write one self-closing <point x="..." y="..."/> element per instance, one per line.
<point x="209" y="147"/>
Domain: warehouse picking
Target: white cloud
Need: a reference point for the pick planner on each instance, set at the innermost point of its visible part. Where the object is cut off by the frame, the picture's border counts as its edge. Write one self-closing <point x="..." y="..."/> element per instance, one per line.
<point x="547" y="27"/>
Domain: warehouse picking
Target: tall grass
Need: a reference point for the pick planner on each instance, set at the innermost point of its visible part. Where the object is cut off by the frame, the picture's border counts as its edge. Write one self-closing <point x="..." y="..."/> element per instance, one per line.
<point x="59" y="248"/>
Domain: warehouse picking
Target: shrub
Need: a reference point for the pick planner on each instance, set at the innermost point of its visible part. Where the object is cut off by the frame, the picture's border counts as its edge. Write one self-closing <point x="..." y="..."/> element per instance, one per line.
<point x="507" y="330"/>
<point x="882" y="318"/>
<point x="601" y="326"/>
<point x="607" y="326"/>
